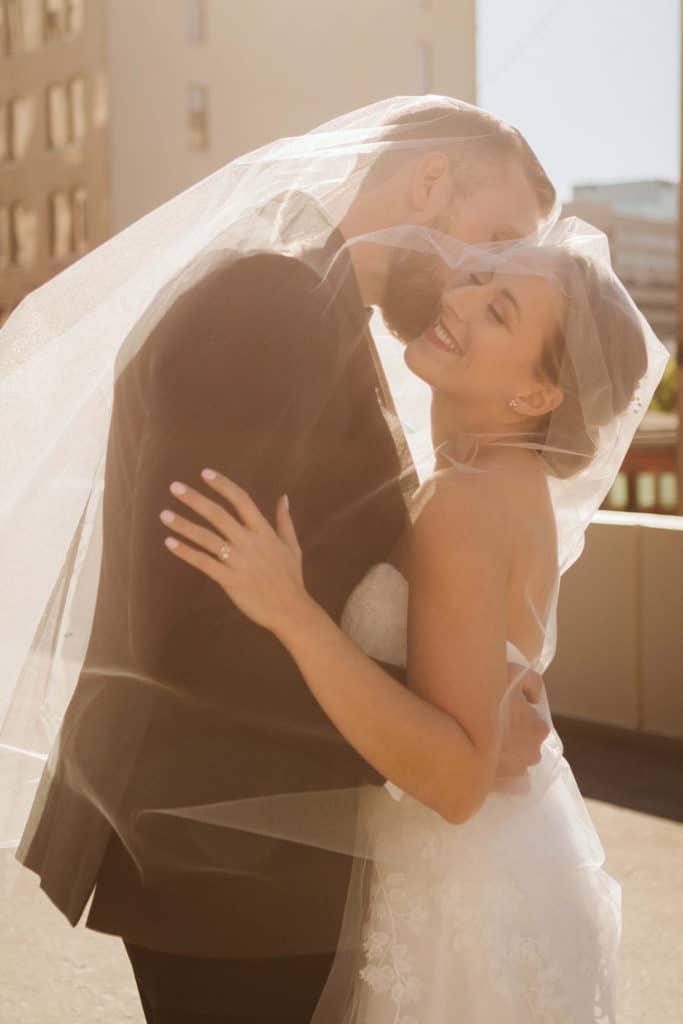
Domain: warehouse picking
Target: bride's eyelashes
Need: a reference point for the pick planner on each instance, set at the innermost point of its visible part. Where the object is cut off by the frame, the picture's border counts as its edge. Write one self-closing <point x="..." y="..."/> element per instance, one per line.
<point x="484" y="277"/>
<point x="495" y="315"/>
<point x="481" y="277"/>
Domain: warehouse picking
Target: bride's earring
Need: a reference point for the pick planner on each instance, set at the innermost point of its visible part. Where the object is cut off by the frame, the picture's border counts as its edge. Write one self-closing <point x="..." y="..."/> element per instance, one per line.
<point x="513" y="403"/>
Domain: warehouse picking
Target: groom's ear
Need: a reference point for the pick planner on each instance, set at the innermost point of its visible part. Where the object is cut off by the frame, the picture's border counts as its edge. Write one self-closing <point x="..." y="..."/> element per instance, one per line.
<point x="431" y="187"/>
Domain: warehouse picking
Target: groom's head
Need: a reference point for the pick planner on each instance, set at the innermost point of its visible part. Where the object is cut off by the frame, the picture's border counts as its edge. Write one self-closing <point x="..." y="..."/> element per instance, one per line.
<point x="456" y="166"/>
<point x="459" y="170"/>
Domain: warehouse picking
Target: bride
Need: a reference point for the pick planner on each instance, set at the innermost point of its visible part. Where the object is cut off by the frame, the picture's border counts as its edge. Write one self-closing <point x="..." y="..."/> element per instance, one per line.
<point x="479" y="902"/>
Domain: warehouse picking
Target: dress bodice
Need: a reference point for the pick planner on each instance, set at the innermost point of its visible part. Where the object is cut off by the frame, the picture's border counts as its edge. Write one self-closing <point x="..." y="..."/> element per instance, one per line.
<point x="375" y="616"/>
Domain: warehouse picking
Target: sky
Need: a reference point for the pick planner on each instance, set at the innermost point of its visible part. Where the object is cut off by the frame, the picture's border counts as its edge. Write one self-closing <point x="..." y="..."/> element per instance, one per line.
<point x="592" y="84"/>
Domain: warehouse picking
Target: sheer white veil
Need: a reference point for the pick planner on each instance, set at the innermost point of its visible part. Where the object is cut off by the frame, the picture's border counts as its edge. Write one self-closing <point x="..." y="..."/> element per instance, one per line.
<point x="607" y="362"/>
<point x="64" y="348"/>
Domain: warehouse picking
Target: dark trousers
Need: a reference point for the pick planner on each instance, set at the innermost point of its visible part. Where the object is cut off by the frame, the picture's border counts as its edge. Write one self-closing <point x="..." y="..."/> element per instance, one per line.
<point x="198" y="990"/>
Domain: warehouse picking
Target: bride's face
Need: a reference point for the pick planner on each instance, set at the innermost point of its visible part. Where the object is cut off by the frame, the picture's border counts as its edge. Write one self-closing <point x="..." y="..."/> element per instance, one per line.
<point x="484" y="346"/>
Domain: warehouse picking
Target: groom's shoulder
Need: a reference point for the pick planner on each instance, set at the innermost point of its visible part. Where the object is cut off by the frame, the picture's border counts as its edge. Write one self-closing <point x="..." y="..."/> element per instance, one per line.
<point x="256" y="298"/>
<point x="262" y="280"/>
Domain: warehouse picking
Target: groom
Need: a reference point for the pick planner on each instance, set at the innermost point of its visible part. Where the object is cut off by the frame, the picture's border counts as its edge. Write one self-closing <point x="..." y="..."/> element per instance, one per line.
<point x="271" y="377"/>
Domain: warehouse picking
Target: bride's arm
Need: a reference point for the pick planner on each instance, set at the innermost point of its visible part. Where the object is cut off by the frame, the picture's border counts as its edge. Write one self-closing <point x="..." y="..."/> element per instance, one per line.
<point x="438" y="740"/>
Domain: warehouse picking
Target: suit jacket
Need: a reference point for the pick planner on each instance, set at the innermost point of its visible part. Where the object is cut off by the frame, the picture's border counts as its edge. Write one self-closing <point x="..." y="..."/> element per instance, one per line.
<point x="266" y="374"/>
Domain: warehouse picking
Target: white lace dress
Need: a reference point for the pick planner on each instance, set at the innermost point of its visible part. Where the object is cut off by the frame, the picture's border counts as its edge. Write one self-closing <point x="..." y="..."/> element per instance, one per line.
<point x="507" y="919"/>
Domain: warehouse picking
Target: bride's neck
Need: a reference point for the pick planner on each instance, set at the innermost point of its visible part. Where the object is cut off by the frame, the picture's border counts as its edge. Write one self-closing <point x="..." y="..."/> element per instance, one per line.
<point x="457" y="432"/>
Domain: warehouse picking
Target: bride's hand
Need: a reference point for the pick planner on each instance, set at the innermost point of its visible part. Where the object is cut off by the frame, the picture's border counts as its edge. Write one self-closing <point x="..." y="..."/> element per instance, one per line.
<point x="262" y="572"/>
<point x="525" y="731"/>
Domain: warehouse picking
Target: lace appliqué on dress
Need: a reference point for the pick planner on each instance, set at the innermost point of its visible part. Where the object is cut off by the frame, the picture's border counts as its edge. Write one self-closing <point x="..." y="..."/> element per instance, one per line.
<point x="488" y="929"/>
<point x="507" y="919"/>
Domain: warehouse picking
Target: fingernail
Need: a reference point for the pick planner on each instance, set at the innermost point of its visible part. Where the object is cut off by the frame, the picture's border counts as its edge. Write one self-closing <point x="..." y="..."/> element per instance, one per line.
<point x="286" y="497"/>
<point x="171" y="542"/>
<point x="166" y="516"/>
<point x="209" y="474"/>
<point x="178" y="488"/>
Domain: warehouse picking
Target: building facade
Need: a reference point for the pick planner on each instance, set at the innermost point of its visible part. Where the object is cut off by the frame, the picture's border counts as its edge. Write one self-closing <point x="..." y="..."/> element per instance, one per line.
<point x="194" y="83"/>
<point x="639" y="219"/>
<point x="54" y="174"/>
<point x="652" y="199"/>
<point x="110" y="107"/>
<point x="644" y="252"/>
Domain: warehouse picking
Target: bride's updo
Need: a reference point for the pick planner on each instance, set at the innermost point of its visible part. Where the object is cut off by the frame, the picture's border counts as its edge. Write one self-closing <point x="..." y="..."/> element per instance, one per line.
<point x="597" y="358"/>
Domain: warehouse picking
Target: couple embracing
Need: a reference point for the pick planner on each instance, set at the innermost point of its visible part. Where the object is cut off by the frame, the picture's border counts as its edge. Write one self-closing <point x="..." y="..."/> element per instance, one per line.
<point x="307" y="766"/>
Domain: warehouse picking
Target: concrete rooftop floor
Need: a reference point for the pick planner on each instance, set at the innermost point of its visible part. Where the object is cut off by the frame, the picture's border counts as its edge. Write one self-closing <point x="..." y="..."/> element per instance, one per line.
<point x="54" y="974"/>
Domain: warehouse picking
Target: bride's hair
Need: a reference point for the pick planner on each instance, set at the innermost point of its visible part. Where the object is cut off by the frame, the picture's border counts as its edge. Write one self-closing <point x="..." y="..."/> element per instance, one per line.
<point x="484" y="142"/>
<point x="597" y="359"/>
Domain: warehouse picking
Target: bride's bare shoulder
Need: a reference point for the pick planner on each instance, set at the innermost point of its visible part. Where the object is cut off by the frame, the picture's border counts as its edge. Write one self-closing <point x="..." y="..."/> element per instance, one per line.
<point x="486" y="498"/>
<point x="454" y="505"/>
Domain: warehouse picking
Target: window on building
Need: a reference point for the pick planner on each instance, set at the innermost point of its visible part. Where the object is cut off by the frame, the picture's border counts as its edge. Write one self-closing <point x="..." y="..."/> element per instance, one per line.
<point x="22" y="123"/>
<point x="54" y="19"/>
<point x="74" y="16"/>
<point x="425" y="68"/>
<point x="10" y="28"/>
<point x="668" y="492"/>
<point x="5" y="244"/>
<point x="79" y="216"/>
<point x="618" y="497"/>
<point x="98" y="100"/>
<point x="32" y="24"/>
<point x="195" y="21"/>
<point x="4" y="30"/>
<point x="61" y="231"/>
<point x="5" y="143"/>
<point x="23" y="247"/>
<point x="57" y="116"/>
<point x="78" y="109"/>
<point x="646" y="491"/>
<point x="17" y="122"/>
<point x="198" y="117"/>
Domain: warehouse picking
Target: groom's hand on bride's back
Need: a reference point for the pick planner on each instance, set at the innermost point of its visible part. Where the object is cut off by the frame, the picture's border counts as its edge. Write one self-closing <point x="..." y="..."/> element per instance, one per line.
<point x="526" y="729"/>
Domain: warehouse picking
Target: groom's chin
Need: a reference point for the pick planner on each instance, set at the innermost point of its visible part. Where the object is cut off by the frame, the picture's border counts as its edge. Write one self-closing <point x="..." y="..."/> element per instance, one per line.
<point x="412" y="357"/>
<point x="400" y="332"/>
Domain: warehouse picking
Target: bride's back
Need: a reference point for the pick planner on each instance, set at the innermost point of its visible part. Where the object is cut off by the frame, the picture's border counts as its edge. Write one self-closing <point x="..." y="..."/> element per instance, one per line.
<point x="534" y="576"/>
<point x="516" y="483"/>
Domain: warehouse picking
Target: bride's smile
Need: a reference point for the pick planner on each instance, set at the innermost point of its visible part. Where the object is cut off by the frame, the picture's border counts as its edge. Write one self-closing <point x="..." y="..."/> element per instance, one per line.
<point x="485" y="350"/>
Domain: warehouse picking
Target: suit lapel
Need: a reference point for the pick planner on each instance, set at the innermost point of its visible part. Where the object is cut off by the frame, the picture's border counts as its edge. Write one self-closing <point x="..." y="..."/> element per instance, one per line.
<point x="408" y="479"/>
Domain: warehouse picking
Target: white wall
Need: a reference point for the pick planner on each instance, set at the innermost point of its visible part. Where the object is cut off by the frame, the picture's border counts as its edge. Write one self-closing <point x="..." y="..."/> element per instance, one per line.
<point x="272" y="68"/>
<point x="620" y="648"/>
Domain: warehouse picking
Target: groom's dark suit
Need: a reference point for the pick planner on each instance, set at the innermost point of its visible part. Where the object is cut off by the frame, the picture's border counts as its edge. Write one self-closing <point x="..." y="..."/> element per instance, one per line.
<point x="268" y="376"/>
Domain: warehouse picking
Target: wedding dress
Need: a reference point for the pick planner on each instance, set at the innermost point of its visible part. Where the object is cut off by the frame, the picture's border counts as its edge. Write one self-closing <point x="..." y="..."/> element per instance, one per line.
<point x="506" y="919"/>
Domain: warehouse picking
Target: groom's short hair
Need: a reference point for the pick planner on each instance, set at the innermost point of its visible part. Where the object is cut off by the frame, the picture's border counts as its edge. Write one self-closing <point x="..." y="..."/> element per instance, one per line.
<point x="484" y="142"/>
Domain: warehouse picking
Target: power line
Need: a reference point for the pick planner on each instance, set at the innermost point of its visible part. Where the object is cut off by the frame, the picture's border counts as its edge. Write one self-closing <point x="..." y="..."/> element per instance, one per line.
<point x="524" y="43"/>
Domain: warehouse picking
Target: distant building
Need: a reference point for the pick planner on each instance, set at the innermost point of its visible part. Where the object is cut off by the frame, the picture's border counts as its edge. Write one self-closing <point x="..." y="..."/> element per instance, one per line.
<point x="639" y="219"/>
<point x="190" y="85"/>
<point x="654" y="199"/>
<point x="194" y="83"/>
<point x="54" y="186"/>
<point x="644" y="248"/>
